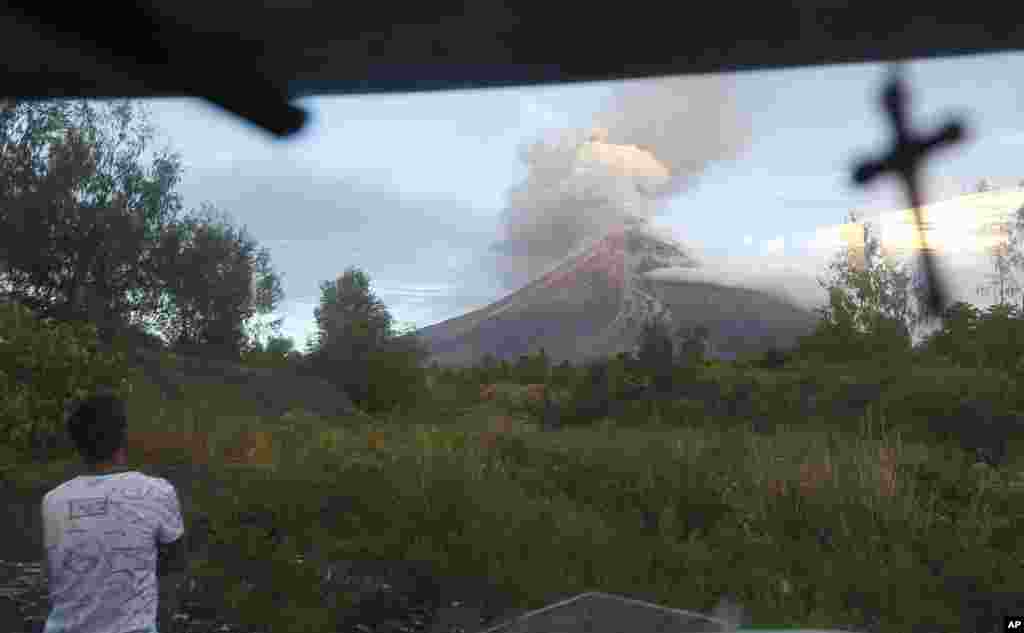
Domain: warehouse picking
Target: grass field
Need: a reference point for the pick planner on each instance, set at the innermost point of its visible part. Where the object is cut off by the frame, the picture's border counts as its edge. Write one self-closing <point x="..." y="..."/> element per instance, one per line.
<point x="811" y="526"/>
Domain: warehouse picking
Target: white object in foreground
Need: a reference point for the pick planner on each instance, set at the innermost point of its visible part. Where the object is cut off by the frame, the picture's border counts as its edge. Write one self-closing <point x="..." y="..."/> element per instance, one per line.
<point x="596" y="612"/>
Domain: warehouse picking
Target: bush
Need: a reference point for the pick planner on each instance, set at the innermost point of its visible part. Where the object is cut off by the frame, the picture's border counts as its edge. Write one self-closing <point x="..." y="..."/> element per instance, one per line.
<point x="590" y="398"/>
<point x="44" y="366"/>
<point x="382" y="380"/>
<point x="395" y="379"/>
<point x="774" y="359"/>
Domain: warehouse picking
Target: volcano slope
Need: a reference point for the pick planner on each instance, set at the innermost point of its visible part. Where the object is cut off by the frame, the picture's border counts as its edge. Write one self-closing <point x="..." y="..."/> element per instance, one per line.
<point x="594" y="303"/>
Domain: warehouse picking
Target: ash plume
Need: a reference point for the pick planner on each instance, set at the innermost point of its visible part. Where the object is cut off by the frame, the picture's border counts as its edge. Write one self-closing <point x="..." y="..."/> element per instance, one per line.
<point x="651" y="141"/>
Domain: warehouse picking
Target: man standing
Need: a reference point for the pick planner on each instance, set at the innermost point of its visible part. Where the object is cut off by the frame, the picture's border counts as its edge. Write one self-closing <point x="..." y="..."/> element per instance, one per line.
<point x="104" y="532"/>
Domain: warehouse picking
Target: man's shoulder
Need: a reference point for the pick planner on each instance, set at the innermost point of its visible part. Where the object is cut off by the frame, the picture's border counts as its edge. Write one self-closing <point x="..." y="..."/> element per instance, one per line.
<point x="161" y="486"/>
<point x="152" y="480"/>
<point x="82" y="484"/>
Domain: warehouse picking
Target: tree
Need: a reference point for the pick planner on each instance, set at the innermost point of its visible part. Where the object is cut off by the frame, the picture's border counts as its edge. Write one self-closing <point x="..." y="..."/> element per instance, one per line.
<point x="1000" y="337"/>
<point x="218" y="283"/>
<point x="656" y="353"/>
<point x="351" y="319"/>
<point x="357" y="348"/>
<point x="280" y="345"/>
<point x="562" y="374"/>
<point x="522" y="369"/>
<point x="693" y="345"/>
<point x="276" y="351"/>
<point x="873" y="305"/>
<point x="957" y="339"/>
<point x="80" y="215"/>
<point x="58" y="232"/>
<point x="489" y="368"/>
<point x="591" y="394"/>
<point x="543" y="365"/>
<point x="1005" y="256"/>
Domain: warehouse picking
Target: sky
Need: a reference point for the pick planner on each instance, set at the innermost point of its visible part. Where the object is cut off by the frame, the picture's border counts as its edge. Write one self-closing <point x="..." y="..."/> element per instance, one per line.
<point x="432" y="194"/>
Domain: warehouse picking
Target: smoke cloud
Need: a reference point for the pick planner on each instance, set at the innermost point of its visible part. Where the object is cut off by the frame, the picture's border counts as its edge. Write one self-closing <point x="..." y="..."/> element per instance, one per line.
<point x="651" y="141"/>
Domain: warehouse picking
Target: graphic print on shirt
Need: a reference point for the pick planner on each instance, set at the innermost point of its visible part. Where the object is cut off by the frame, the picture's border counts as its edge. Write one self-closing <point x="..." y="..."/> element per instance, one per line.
<point x="100" y="537"/>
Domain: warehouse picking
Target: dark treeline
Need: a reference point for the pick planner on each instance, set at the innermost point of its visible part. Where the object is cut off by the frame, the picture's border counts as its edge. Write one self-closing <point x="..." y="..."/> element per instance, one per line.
<point x="93" y="230"/>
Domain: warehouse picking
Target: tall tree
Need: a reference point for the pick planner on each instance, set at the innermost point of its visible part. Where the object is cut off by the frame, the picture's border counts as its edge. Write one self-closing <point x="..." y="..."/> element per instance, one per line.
<point x="220" y="284"/>
<point x="1000" y="337"/>
<point x="693" y="344"/>
<point x="1004" y="252"/>
<point x="89" y="232"/>
<point x="358" y="348"/>
<point x="351" y="323"/>
<point x="351" y="319"/>
<point x="656" y="353"/>
<point x="78" y="210"/>
<point x="957" y="339"/>
<point x="873" y="301"/>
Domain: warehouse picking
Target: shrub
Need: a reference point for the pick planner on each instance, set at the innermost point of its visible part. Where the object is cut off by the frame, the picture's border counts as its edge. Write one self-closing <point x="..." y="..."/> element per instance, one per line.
<point x="773" y="359"/>
<point x="590" y="399"/>
<point x="44" y="366"/>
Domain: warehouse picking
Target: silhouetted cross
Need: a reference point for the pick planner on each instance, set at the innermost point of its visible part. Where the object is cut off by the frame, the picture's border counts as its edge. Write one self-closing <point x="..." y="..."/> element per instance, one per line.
<point x="904" y="158"/>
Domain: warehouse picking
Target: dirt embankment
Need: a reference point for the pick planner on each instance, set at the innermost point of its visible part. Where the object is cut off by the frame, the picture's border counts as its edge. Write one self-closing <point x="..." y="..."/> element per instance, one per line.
<point x="276" y="390"/>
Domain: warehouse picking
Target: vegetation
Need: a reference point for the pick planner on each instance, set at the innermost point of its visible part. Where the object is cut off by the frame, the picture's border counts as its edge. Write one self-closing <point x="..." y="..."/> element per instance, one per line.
<point x="857" y="480"/>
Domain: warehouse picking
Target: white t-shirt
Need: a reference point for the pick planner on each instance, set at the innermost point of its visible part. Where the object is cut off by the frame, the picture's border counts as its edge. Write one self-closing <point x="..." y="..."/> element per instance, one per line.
<point x="100" y="533"/>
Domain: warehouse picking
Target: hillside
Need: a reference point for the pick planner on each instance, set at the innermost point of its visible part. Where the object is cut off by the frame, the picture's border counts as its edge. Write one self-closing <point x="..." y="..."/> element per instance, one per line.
<point x="594" y="302"/>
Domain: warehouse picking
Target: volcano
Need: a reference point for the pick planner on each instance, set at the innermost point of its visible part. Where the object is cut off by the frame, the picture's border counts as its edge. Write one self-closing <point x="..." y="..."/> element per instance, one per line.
<point x="594" y="303"/>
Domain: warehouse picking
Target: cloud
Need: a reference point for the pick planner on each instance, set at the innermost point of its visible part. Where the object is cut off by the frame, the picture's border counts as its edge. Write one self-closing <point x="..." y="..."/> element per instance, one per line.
<point x="792" y="278"/>
<point x="748" y="240"/>
<point x="651" y="140"/>
<point x="825" y="239"/>
<point x="317" y="222"/>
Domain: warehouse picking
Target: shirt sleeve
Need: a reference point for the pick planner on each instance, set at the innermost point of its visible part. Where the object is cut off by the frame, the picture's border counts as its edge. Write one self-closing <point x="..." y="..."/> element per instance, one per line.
<point x="170" y="526"/>
<point x="46" y="540"/>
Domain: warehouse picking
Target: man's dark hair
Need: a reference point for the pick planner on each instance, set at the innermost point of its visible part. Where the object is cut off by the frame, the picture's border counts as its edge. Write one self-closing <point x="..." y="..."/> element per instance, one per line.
<point x="98" y="425"/>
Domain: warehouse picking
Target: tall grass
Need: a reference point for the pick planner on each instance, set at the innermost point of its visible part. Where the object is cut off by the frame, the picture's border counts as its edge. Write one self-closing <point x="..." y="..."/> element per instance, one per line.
<point x="814" y="526"/>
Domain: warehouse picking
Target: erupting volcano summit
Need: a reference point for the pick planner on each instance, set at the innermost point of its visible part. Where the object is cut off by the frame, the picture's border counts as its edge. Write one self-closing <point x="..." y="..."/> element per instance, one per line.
<point x="594" y="302"/>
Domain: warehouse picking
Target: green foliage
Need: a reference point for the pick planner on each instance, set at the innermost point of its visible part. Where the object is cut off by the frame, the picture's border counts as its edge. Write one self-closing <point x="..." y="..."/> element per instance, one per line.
<point x="693" y="345"/>
<point x="969" y="337"/>
<point x="89" y="232"/>
<point x="1000" y="337"/>
<point x="847" y="334"/>
<point x="358" y="348"/>
<point x="773" y="359"/>
<point x="278" y="352"/>
<point x="220" y="284"/>
<point x="533" y="368"/>
<point x="1005" y="254"/>
<point x="957" y="338"/>
<point x="44" y="366"/>
<point x="394" y="375"/>
<point x="656" y="354"/>
<point x="272" y="589"/>
<point x="872" y="308"/>
<point x="77" y="245"/>
<point x="668" y="516"/>
<point x="591" y="395"/>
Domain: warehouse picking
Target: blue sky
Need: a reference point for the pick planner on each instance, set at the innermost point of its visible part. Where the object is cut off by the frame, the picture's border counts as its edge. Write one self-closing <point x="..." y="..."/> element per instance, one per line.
<point x="411" y="187"/>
